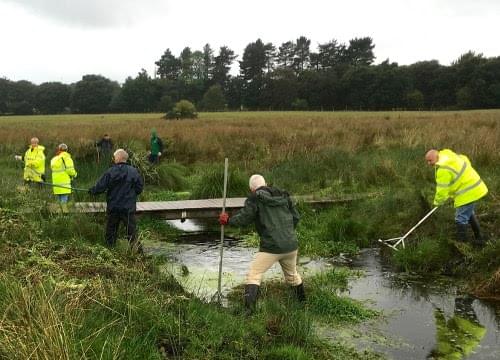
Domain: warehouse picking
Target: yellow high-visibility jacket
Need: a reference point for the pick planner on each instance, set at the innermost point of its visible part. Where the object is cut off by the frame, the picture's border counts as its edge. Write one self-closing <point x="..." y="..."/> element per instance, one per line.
<point x="63" y="170"/>
<point x="456" y="179"/>
<point x="34" y="163"/>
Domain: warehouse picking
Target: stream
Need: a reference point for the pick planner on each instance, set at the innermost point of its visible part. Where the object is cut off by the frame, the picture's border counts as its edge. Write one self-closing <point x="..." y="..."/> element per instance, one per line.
<point x="421" y="318"/>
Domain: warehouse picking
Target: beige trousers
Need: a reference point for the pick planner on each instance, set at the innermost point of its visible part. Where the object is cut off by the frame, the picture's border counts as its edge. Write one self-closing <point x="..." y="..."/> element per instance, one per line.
<point x="263" y="261"/>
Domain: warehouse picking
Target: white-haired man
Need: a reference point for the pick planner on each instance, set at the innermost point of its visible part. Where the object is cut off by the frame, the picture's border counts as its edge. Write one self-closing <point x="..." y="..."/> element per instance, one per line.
<point x="122" y="184"/>
<point x="275" y="218"/>
<point x="34" y="162"/>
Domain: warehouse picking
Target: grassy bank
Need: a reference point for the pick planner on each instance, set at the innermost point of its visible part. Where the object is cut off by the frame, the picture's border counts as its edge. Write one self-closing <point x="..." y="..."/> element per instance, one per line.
<point x="64" y="295"/>
<point x="62" y="289"/>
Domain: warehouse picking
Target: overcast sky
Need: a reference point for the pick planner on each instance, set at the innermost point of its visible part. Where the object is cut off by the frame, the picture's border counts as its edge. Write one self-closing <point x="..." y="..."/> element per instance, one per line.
<point x="61" y="40"/>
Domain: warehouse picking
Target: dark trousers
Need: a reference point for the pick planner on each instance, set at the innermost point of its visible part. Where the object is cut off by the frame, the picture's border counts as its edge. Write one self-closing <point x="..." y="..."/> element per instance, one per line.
<point x="114" y="219"/>
<point x="154" y="159"/>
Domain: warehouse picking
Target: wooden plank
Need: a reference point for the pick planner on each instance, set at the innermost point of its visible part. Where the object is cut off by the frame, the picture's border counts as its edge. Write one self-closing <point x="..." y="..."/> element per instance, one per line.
<point x="204" y="208"/>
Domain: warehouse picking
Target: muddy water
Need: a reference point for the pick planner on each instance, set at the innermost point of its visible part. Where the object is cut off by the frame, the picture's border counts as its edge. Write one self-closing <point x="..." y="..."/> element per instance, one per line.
<point x="421" y="319"/>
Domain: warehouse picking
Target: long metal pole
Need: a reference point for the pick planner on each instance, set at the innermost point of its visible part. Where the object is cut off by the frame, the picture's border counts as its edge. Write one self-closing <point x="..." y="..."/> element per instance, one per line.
<point x="219" y="285"/>
<point x="413" y="228"/>
<point x="61" y="186"/>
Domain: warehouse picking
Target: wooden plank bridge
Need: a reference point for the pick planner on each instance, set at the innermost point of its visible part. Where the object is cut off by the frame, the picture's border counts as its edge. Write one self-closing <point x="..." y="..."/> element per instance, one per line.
<point x="197" y="209"/>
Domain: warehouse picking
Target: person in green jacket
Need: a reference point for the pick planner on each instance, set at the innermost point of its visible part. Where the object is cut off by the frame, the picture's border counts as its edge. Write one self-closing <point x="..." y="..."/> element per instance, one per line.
<point x="458" y="336"/>
<point x="156" y="146"/>
<point x="457" y="179"/>
<point x="34" y="162"/>
<point x="275" y="218"/>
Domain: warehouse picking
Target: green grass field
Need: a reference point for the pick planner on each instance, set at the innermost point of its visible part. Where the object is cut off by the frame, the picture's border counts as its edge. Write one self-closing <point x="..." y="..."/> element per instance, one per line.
<point x="64" y="295"/>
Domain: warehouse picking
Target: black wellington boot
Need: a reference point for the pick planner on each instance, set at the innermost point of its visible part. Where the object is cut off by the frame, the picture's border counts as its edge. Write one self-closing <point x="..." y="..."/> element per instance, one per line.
<point x="474" y="224"/>
<point x="251" y="294"/>
<point x="461" y="232"/>
<point x="300" y="293"/>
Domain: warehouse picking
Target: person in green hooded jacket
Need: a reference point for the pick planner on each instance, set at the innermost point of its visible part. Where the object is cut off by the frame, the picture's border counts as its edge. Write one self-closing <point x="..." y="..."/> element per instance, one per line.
<point x="275" y="218"/>
<point x="156" y="148"/>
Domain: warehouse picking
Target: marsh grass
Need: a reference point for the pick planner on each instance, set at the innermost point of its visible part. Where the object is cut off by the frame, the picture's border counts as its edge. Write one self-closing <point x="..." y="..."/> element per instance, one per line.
<point x="64" y="295"/>
<point x="266" y="136"/>
<point x="326" y="302"/>
<point x="329" y="232"/>
<point x="112" y="304"/>
<point x="36" y="321"/>
<point x="209" y="183"/>
<point x="437" y="255"/>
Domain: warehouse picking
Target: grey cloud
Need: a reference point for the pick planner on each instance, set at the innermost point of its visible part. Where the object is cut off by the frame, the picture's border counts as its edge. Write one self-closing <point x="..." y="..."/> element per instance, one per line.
<point x="95" y="13"/>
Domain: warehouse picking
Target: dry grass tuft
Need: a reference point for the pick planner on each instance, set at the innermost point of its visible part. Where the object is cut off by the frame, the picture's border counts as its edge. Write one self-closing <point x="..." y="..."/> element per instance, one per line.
<point x="489" y="288"/>
<point x="36" y="323"/>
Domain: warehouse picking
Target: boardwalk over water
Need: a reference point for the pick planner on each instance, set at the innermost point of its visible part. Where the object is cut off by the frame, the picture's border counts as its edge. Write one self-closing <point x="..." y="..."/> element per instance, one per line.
<point x="197" y="209"/>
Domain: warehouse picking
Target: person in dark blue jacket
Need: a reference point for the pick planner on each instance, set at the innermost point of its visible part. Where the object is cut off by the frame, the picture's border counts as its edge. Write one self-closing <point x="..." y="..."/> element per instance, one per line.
<point x="122" y="184"/>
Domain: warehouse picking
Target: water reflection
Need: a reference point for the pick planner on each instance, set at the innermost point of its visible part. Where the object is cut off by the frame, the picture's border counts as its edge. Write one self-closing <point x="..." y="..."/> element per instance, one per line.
<point x="423" y="317"/>
<point x="187" y="225"/>
<point x="459" y="335"/>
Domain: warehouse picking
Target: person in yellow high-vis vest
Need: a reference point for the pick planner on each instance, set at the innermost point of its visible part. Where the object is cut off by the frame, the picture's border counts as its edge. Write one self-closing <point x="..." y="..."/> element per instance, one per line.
<point x="457" y="179"/>
<point x="63" y="171"/>
<point x="34" y="162"/>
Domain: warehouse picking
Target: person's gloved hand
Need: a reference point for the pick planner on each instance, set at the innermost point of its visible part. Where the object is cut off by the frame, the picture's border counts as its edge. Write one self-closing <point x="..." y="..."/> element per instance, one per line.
<point x="18" y="157"/>
<point x="438" y="203"/>
<point x="159" y="154"/>
<point x="223" y="218"/>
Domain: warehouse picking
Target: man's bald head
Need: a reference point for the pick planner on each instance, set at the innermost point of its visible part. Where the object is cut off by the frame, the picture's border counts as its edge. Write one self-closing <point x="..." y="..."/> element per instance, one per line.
<point x="256" y="181"/>
<point x="432" y="157"/>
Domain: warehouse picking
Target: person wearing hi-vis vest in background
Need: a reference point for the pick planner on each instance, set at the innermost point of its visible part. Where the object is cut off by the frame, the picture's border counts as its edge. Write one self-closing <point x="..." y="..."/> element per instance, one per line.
<point x="63" y="171"/>
<point x="457" y="179"/>
<point x="34" y="162"/>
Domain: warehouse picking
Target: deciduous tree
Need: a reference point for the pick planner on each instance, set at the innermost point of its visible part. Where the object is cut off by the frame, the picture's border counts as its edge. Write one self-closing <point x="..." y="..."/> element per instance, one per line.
<point x="93" y="94"/>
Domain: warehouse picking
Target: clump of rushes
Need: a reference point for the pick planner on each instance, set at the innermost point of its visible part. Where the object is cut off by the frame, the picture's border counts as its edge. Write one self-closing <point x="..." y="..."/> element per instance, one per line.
<point x="424" y="255"/>
<point x="328" y="232"/>
<point x="210" y="182"/>
<point x="170" y="175"/>
<point x="326" y="302"/>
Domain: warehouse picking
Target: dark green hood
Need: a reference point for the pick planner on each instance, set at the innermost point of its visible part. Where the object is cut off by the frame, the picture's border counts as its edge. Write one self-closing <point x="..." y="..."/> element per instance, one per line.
<point x="274" y="216"/>
<point x="272" y="196"/>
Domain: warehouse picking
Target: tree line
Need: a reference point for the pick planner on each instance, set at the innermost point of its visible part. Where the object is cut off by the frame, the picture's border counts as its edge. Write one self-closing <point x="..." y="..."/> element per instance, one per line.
<point x="292" y="76"/>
